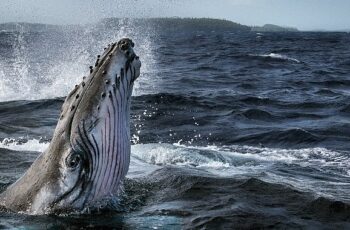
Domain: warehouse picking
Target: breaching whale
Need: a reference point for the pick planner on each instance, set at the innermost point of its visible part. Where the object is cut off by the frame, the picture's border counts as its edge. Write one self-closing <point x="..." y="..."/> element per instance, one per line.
<point x="89" y="154"/>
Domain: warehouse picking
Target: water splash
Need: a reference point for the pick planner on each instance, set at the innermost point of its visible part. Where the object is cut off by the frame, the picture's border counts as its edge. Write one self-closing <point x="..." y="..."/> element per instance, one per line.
<point x="47" y="63"/>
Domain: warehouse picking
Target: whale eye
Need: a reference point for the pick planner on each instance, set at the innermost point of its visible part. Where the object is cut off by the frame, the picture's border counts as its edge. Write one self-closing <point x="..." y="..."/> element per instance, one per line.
<point x="73" y="160"/>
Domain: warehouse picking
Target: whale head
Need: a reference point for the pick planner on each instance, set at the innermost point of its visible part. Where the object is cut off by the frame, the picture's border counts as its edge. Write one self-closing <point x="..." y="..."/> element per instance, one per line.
<point x="89" y="154"/>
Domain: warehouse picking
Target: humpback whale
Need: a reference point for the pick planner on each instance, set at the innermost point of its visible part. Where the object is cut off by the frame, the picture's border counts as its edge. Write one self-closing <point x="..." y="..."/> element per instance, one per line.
<point x="89" y="154"/>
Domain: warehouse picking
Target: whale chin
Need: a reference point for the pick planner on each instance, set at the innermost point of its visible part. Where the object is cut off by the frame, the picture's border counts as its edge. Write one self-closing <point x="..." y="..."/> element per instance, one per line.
<point x="89" y="155"/>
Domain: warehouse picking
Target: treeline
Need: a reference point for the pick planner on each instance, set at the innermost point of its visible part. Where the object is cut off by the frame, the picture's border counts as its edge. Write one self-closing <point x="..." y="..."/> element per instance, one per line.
<point x="163" y="24"/>
<point x="181" y="23"/>
<point x="199" y="23"/>
<point x="273" y="28"/>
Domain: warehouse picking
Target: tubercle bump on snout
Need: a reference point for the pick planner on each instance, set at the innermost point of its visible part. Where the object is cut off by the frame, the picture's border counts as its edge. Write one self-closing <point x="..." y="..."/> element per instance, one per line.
<point x="125" y="43"/>
<point x="125" y="46"/>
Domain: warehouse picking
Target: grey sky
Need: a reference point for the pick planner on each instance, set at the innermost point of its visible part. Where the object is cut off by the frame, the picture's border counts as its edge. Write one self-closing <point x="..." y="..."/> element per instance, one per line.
<point x="304" y="14"/>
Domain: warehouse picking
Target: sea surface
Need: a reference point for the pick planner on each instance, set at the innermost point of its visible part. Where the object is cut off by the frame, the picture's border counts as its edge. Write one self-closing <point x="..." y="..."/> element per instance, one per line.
<point x="230" y="129"/>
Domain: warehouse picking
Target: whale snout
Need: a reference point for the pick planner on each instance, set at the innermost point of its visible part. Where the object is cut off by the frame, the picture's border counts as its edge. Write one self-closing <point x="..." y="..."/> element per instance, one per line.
<point x="126" y="45"/>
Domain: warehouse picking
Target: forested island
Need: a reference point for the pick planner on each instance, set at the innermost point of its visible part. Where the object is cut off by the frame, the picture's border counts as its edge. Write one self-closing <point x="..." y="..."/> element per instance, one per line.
<point x="162" y="24"/>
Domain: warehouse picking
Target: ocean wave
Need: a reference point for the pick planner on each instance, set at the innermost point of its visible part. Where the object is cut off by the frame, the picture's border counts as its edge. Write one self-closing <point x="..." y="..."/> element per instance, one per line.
<point x="275" y="56"/>
<point x="315" y="167"/>
<point x="331" y="83"/>
<point x="258" y="114"/>
<point x="168" y="154"/>
<point x="236" y="159"/>
<point x="315" y="170"/>
<point x="39" y="118"/>
<point x="243" y="203"/>
<point x="287" y="136"/>
<point x="35" y="145"/>
<point x="174" y="101"/>
<point x="255" y="100"/>
<point x="211" y="156"/>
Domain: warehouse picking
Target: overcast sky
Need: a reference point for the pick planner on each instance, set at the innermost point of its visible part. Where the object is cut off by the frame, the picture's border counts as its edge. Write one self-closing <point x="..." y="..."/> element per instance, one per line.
<point x="303" y="14"/>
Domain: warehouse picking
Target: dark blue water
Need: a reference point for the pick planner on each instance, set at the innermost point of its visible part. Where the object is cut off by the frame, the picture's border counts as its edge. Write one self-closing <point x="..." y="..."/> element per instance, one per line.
<point x="231" y="129"/>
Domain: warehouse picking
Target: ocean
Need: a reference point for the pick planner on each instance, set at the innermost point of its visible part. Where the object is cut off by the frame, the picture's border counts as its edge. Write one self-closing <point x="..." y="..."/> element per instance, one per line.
<point x="231" y="129"/>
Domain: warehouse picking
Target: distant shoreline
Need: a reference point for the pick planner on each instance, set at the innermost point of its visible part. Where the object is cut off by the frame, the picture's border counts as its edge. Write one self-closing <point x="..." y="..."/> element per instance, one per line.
<point x="273" y="28"/>
<point x="178" y="23"/>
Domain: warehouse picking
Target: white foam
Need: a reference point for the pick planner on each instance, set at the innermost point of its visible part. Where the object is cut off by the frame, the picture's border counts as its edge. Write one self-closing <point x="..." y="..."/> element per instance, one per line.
<point x="238" y="159"/>
<point x="278" y="56"/>
<point x="30" y="145"/>
<point x="247" y="161"/>
<point x="234" y="158"/>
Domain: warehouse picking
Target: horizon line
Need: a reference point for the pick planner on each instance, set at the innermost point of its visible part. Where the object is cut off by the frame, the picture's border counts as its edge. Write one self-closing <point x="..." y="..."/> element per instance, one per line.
<point x="177" y="17"/>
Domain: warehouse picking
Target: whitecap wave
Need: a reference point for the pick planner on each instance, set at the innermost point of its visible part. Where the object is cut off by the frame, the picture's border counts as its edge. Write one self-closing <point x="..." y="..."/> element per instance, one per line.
<point x="270" y="164"/>
<point x="168" y="154"/>
<point x="214" y="157"/>
<point x="237" y="159"/>
<point x="317" y="170"/>
<point x="23" y="144"/>
<point x="277" y="56"/>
